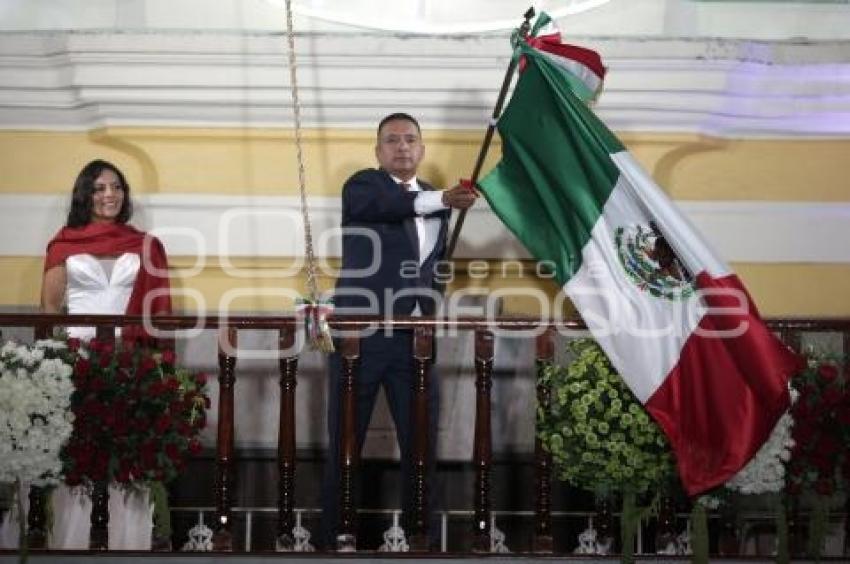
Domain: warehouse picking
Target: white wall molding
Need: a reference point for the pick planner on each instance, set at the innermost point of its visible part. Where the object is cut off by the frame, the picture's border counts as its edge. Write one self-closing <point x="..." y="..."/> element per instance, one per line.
<point x="79" y="80"/>
<point x="778" y="19"/>
<point x="241" y="226"/>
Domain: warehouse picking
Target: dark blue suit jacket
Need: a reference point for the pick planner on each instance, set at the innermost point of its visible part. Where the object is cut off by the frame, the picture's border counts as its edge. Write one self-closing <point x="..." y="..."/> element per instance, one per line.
<point x="380" y="249"/>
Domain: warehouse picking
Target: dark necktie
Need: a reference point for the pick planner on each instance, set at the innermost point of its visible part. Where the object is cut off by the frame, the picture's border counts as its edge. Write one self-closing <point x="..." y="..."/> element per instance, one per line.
<point x="410" y="225"/>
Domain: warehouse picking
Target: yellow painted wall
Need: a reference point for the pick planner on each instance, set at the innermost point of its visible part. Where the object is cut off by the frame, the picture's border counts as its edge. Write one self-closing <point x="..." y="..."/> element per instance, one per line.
<point x="213" y="161"/>
<point x="703" y="168"/>
<point x="262" y="162"/>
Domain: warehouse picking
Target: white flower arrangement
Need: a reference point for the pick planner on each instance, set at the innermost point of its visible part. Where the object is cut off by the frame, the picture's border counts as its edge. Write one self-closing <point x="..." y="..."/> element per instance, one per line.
<point x="35" y="414"/>
<point x="765" y="473"/>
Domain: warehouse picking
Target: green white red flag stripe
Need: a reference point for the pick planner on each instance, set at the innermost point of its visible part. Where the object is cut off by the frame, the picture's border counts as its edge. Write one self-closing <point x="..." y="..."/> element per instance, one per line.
<point x="675" y="321"/>
<point x="579" y="63"/>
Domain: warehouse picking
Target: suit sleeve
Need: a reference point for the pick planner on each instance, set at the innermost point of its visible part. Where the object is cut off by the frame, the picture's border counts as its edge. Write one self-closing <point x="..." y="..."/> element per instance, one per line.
<point x="366" y="198"/>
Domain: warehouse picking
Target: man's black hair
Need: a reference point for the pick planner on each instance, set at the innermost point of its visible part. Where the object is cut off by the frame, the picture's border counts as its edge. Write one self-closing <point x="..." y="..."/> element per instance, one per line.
<point x="399" y="116"/>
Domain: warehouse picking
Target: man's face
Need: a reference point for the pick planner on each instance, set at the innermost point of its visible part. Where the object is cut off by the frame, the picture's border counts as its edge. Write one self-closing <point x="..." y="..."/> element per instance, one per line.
<point x="399" y="149"/>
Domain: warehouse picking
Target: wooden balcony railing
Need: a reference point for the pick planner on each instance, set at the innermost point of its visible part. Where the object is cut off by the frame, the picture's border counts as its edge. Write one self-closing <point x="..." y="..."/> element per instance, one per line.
<point x="228" y="328"/>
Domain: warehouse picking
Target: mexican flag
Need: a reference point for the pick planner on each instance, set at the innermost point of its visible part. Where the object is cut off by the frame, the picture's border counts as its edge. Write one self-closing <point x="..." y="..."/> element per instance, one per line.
<point x="674" y="320"/>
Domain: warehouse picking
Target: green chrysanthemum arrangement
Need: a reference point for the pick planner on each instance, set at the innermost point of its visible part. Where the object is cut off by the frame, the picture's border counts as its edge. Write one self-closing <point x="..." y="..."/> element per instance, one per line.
<point x="599" y="435"/>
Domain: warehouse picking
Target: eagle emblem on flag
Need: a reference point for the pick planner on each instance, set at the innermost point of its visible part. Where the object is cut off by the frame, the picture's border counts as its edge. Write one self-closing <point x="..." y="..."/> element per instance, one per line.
<point x="651" y="263"/>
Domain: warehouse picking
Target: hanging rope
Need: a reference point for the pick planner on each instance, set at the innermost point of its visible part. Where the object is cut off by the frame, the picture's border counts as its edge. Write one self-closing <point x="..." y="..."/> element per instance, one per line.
<point x="315" y="312"/>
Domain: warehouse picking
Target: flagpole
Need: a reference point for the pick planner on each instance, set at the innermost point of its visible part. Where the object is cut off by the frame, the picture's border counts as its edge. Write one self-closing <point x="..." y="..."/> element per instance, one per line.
<point x="488" y="136"/>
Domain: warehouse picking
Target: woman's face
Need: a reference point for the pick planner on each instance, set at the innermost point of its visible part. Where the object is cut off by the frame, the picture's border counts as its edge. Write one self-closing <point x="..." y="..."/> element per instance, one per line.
<point x="107" y="198"/>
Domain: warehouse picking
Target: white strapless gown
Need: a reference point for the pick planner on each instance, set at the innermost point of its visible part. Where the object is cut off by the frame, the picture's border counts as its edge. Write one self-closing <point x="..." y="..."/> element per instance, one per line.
<point x="90" y="289"/>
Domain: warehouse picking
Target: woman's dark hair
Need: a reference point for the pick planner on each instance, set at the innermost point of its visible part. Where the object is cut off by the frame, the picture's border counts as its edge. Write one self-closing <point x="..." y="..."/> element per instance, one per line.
<point x="81" y="197"/>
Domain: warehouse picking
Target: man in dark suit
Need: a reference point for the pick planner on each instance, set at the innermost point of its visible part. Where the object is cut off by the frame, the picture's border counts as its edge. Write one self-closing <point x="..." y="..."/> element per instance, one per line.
<point x="394" y="234"/>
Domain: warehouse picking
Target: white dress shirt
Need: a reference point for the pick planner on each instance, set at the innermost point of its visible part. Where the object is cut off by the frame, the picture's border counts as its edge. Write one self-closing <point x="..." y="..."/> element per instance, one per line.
<point x="427" y="229"/>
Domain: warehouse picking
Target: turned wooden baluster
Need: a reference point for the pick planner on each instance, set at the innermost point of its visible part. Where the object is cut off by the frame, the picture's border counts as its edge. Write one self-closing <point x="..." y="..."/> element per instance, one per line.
<point x="42" y="331"/>
<point x="37" y="512"/>
<point x="286" y="440"/>
<point x="665" y="528"/>
<point x="847" y="524"/>
<point x="37" y="518"/>
<point x="792" y="339"/>
<point x="482" y="449"/>
<point x="542" y="541"/>
<point x="423" y="342"/>
<point x="348" y="455"/>
<point x="796" y="527"/>
<point x="224" y="478"/>
<point x="846" y="351"/>
<point x="99" y="534"/>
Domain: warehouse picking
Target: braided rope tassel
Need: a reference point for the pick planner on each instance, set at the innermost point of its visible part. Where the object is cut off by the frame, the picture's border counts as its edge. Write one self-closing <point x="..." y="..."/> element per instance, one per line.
<point x="314" y="312"/>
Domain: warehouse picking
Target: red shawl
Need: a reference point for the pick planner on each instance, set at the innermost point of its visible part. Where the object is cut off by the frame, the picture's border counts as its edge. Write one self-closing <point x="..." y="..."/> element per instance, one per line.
<point x="112" y="239"/>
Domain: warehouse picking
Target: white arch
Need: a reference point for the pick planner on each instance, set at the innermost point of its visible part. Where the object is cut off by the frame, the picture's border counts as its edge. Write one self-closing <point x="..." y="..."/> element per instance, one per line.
<point x="411" y="16"/>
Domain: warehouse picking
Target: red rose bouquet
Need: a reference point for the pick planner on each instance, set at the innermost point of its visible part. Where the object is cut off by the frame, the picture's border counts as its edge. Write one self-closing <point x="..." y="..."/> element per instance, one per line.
<point x="137" y="415"/>
<point x="821" y="429"/>
<point x="820" y="461"/>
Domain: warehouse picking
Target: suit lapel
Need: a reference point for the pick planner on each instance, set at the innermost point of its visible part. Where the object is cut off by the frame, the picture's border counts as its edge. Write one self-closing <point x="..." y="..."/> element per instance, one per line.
<point x="443" y="216"/>
<point x="409" y="224"/>
<point x="412" y="235"/>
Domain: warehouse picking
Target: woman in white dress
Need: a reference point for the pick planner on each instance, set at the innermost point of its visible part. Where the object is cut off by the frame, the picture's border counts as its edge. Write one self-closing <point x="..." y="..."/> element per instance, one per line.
<point x="97" y="264"/>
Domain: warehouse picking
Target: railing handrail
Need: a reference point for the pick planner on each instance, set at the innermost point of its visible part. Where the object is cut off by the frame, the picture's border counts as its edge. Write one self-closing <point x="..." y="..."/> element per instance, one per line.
<point x="486" y="328"/>
<point x="259" y="321"/>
